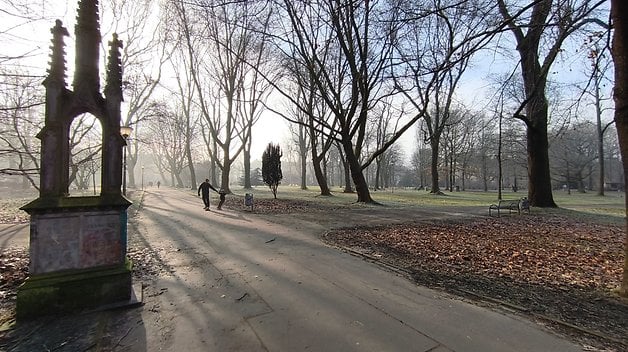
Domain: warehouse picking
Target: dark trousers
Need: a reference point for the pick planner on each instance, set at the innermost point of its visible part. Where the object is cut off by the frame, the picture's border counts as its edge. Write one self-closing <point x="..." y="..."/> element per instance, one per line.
<point x="206" y="200"/>
<point x="222" y="200"/>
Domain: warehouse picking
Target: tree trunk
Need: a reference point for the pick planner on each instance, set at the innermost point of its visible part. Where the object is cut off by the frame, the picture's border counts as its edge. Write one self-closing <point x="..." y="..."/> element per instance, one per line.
<point x="580" y="180"/>
<point x="348" y="181"/>
<point x="434" y="143"/>
<point x="130" y="168"/>
<point x="600" y="140"/>
<point x="540" y="182"/>
<point x="452" y="173"/>
<point x="361" y="186"/>
<point x="213" y="177"/>
<point x="303" y="157"/>
<point x="247" y="168"/>
<point x="378" y="175"/>
<point x="318" y="162"/>
<point x="224" y="180"/>
<point x="619" y="14"/>
<point x="320" y="175"/>
<point x="346" y="168"/>
<point x="188" y="153"/>
<point x="535" y="83"/>
<point x="500" y="169"/>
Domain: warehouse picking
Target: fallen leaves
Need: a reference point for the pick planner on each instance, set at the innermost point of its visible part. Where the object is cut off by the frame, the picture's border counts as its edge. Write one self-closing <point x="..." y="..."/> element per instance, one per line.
<point x="556" y="251"/>
<point x="10" y="212"/>
<point x="547" y="265"/>
<point x="13" y="271"/>
<point x="273" y="206"/>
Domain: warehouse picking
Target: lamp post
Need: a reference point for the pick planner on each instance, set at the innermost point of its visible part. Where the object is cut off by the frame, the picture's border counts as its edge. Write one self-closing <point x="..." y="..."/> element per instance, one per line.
<point x="125" y="132"/>
<point x="142" y="177"/>
<point x="93" y="171"/>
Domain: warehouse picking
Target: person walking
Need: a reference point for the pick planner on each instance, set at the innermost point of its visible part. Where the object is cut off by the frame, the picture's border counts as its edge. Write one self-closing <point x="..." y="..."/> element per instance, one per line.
<point x="222" y="194"/>
<point x="204" y="187"/>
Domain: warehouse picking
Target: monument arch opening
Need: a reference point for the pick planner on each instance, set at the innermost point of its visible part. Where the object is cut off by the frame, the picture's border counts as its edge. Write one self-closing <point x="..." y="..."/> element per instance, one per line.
<point x="78" y="244"/>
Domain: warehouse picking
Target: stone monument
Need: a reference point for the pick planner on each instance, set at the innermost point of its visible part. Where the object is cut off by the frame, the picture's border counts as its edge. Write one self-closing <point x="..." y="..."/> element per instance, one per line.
<point x="78" y="244"/>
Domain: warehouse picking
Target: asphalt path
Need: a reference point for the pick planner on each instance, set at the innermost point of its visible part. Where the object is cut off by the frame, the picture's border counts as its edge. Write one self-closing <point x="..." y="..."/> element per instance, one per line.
<point x="232" y="280"/>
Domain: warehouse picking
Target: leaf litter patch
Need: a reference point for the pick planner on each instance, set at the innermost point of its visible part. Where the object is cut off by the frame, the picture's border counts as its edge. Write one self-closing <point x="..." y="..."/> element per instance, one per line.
<point x="547" y="266"/>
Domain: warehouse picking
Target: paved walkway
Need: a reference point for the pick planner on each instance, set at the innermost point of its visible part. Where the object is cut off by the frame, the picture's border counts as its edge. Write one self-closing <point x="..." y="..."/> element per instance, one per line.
<point x="233" y="281"/>
<point x="241" y="283"/>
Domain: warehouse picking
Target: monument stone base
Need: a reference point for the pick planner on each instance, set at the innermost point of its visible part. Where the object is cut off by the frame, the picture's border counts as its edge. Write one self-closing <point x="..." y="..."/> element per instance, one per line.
<point x="78" y="256"/>
<point x="75" y="290"/>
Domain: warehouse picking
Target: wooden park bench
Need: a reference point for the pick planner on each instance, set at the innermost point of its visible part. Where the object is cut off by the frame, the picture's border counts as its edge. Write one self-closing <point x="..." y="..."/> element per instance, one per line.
<point x="518" y="205"/>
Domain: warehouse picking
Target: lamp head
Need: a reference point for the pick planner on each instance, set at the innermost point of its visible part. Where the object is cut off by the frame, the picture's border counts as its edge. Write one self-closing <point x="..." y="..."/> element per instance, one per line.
<point x="125" y="131"/>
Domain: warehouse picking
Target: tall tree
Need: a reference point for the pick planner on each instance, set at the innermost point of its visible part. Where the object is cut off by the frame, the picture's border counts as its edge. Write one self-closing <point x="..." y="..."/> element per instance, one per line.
<point x="346" y="47"/>
<point x="271" y="167"/>
<point x="434" y="50"/>
<point x="540" y="31"/>
<point x="255" y="90"/>
<point x="230" y="45"/>
<point x="460" y="138"/>
<point x="421" y="156"/>
<point x="310" y="114"/>
<point x="619" y="15"/>
<point x="167" y="139"/>
<point x="144" y="54"/>
<point x="301" y="138"/>
<point x="185" y="95"/>
<point x="383" y="119"/>
<point x="573" y="152"/>
<point x="597" y="72"/>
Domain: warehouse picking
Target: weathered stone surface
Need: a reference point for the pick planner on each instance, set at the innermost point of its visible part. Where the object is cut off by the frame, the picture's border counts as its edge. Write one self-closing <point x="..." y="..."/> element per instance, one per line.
<point x="78" y="244"/>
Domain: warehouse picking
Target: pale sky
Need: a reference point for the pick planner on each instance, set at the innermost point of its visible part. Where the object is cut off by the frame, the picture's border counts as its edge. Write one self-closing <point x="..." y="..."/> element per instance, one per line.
<point x="35" y="37"/>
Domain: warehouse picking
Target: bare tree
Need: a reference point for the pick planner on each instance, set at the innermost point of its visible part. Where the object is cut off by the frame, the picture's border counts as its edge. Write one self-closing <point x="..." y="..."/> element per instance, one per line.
<point x="539" y="34"/>
<point x="20" y="120"/>
<point x="485" y="150"/>
<point x="21" y="96"/>
<point x="301" y="138"/>
<point x="573" y="152"/>
<point x="384" y="119"/>
<point x="597" y="72"/>
<point x="346" y="48"/>
<point x="434" y="51"/>
<point x="144" y="54"/>
<point x="19" y="19"/>
<point x="86" y="171"/>
<point x="421" y="159"/>
<point x="311" y="115"/>
<point x="168" y="141"/>
<point x="391" y="164"/>
<point x="460" y="138"/>
<point x="255" y="90"/>
<point x="185" y="93"/>
<point x="230" y="31"/>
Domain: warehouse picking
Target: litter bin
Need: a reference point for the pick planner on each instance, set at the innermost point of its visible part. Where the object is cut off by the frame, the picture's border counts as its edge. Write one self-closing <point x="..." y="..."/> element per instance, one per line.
<point x="248" y="200"/>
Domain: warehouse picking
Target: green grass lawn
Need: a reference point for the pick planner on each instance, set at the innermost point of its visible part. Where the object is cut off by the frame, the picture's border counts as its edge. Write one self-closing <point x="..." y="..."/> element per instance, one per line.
<point x="611" y="205"/>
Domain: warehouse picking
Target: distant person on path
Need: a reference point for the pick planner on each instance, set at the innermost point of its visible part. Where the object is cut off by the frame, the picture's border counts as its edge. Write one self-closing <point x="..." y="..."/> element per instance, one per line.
<point x="204" y="187"/>
<point x="158" y="184"/>
<point x="222" y="198"/>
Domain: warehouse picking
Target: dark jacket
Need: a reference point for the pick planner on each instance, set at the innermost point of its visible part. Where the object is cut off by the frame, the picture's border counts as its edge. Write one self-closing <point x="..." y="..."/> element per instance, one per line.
<point x="205" y="186"/>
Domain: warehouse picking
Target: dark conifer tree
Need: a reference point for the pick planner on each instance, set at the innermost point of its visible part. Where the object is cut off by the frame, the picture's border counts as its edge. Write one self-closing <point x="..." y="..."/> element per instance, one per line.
<point x="271" y="167"/>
